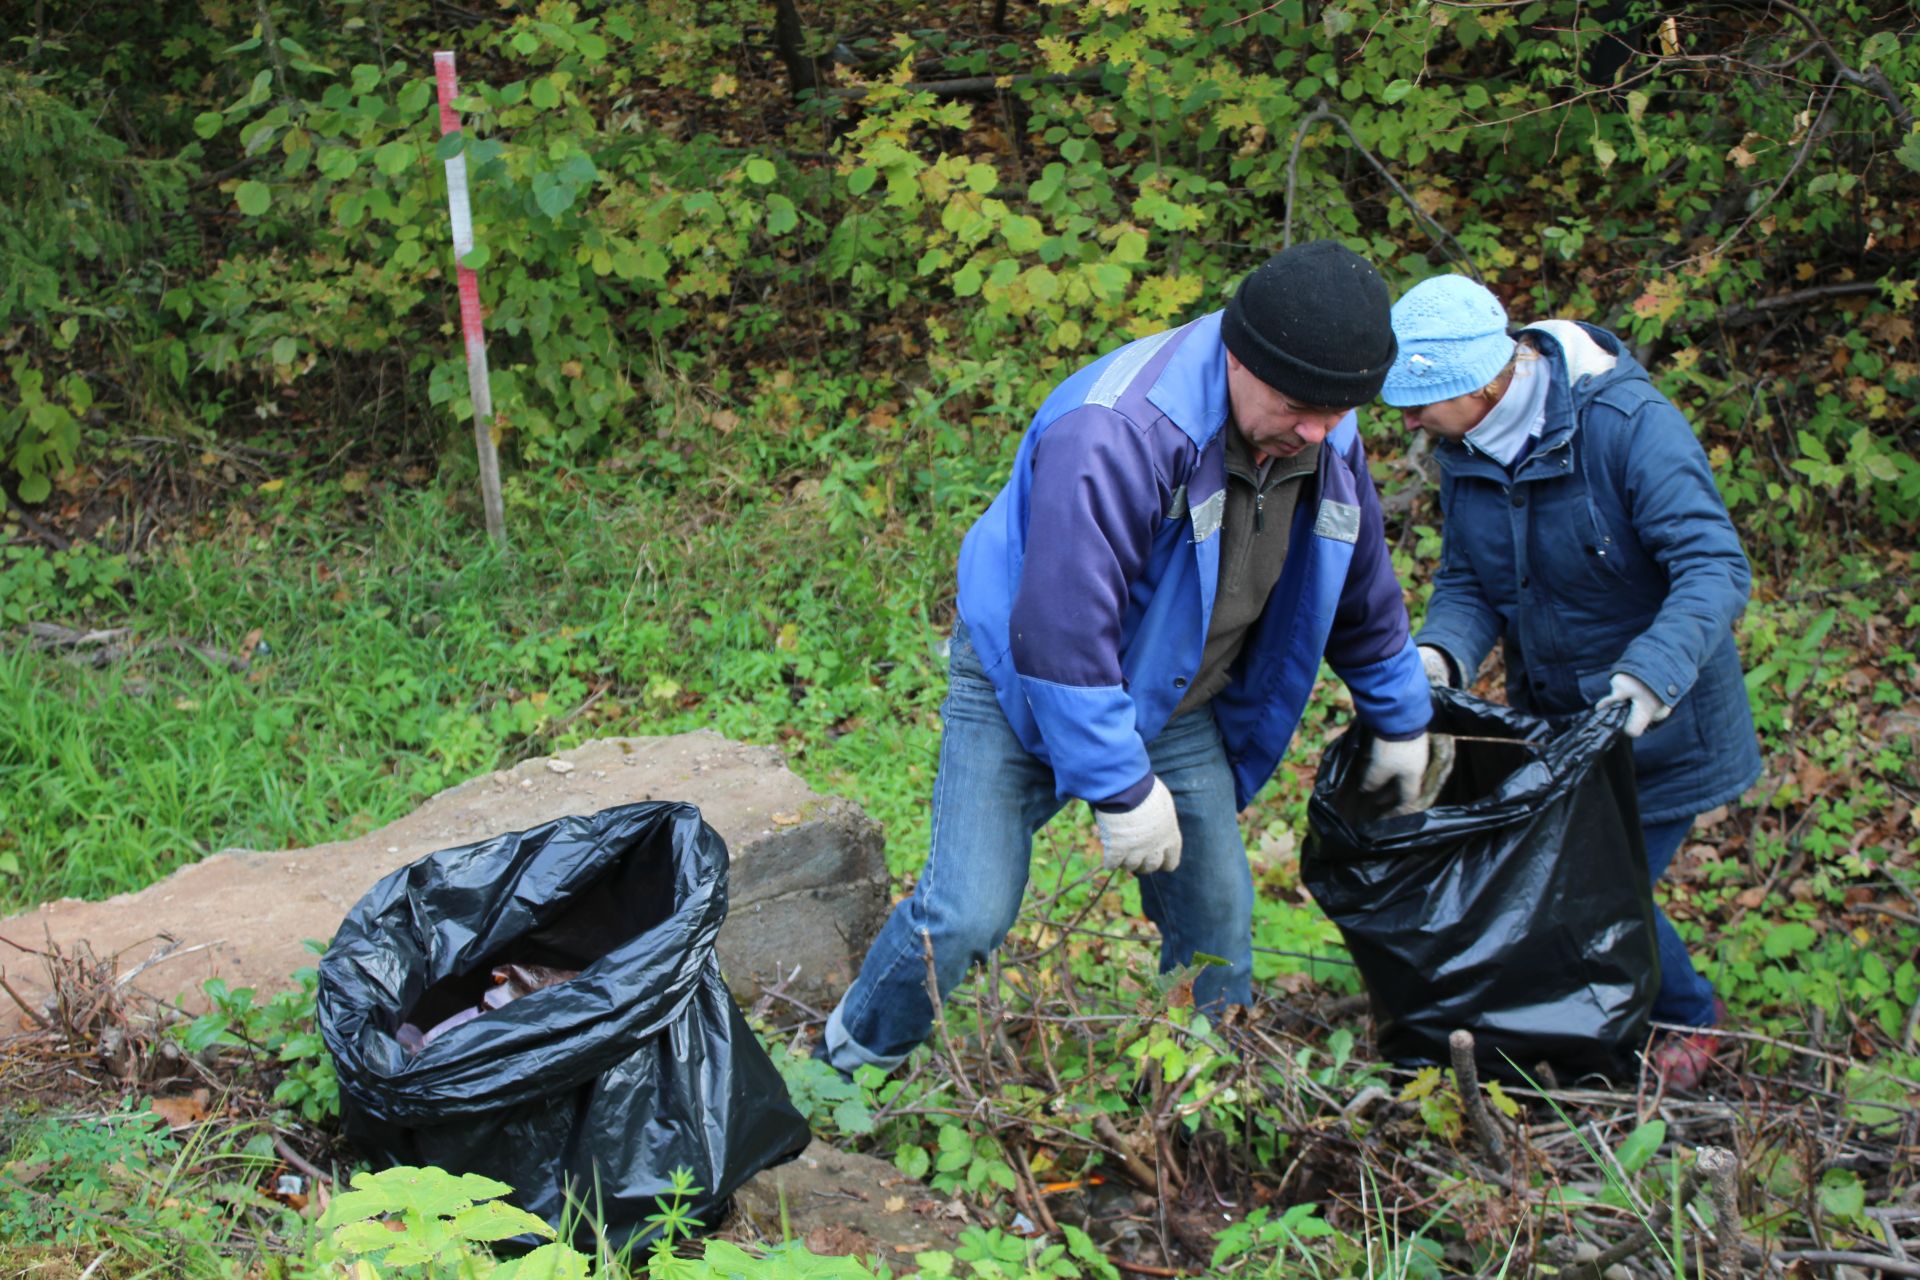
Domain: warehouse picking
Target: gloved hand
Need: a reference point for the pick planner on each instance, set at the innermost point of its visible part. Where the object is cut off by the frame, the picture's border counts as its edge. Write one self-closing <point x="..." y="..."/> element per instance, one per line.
<point x="1393" y="773"/>
<point x="1647" y="707"/>
<point x="1143" y="839"/>
<point x="1439" y="668"/>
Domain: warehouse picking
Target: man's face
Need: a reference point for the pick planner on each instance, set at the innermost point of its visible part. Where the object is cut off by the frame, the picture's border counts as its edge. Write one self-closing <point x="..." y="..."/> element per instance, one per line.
<point x="1448" y="419"/>
<point x="1275" y="425"/>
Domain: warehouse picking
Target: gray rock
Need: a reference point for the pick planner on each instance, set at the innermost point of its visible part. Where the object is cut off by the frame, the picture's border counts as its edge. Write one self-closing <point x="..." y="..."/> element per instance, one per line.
<point x="808" y="885"/>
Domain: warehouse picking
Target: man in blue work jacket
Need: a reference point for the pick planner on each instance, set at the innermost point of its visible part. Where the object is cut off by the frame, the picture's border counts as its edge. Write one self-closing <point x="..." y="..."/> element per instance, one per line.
<point x="1188" y="529"/>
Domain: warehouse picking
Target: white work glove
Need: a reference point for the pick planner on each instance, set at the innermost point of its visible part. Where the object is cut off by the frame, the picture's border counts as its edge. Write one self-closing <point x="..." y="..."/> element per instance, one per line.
<point x="1394" y="772"/>
<point x="1143" y="839"/>
<point x="1647" y="707"/>
<point x="1439" y="670"/>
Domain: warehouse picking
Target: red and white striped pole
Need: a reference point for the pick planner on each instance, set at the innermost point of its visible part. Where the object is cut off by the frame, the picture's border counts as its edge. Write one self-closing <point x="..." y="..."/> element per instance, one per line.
<point x="478" y="387"/>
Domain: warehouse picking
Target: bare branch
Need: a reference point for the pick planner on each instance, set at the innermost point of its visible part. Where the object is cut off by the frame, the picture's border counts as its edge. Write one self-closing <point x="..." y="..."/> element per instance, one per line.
<point x="1321" y="111"/>
<point x="1871" y="78"/>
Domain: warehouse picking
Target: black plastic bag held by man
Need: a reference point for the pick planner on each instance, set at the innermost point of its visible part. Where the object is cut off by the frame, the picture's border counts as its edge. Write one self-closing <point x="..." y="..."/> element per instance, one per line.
<point x="1516" y="907"/>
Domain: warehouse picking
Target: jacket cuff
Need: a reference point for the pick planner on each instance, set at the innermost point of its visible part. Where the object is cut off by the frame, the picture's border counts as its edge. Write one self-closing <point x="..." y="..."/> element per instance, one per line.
<point x="1465" y="668"/>
<point x="1392" y="697"/>
<point x="1400" y="737"/>
<point x="1668" y="682"/>
<point x="1122" y="801"/>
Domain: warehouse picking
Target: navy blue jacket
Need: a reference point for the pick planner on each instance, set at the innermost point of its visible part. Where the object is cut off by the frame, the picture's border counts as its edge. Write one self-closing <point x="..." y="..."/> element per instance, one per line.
<point x="1606" y="549"/>
<point x="1088" y="585"/>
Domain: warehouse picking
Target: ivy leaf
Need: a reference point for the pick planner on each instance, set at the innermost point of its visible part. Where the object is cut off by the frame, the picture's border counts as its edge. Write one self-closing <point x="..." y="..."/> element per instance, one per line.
<point x="1841" y="1194"/>
<point x="1790" y="938"/>
<point x="35" y="487"/>
<point x="781" y="215"/>
<point x="525" y="43"/>
<point x="476" y="258"/>
<point x="912" y="1161"/>
<point x="1909" y="152"/>
<point x="543" y="94"/>
<point x="338" y="163"/>
<point x="761" y="171"/>
<point x="208" y="123"/>
<point x="414" y="97"/>
<point x="392" y="158"/>
<point x="553" y="196"/>
<point x="1396" y="91"/>
<point x="254" y="198"/>
<point x="450" y="145"/>
<point x="1641" y="1145"/>
<point x="982" y="178"/>
<point x="497" y="1220"/>
<point x="553" y="1262"/>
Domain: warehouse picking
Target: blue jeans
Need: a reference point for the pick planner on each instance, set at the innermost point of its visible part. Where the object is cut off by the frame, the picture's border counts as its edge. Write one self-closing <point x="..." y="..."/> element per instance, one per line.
<point x="1684" y="996"/>
<point x="989" y="799"/>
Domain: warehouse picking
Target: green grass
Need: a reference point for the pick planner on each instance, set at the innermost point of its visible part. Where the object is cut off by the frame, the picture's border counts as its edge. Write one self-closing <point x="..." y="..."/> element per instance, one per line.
<point x="403" y="655"/>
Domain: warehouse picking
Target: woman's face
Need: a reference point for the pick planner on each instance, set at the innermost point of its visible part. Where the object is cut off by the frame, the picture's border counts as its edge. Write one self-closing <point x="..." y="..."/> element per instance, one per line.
<point x="1449" y="419"/>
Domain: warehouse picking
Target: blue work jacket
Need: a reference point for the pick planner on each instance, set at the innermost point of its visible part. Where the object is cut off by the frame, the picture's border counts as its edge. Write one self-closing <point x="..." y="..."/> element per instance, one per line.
<point x="1088" y="585"/>
<point x="1607" y="548"/>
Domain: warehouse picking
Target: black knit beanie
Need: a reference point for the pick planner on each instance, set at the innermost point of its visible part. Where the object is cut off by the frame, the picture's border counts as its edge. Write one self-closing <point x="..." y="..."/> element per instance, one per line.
<point x="1313" y="322"/>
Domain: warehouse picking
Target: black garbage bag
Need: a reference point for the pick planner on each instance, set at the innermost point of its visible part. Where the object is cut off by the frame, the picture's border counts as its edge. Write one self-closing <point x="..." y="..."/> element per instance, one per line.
<point x="1517" y="907"/>
<point x="591" y="1090"/>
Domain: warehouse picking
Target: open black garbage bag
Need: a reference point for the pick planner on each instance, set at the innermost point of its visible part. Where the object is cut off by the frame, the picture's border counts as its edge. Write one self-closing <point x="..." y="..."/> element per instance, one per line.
<point x="1517" y="907"/>
<point x="595" y="1088"/>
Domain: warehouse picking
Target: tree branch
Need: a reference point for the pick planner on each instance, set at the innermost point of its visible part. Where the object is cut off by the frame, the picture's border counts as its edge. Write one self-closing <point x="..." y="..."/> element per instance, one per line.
<point x="789" y="37"/>
<point x="1871" y="78"/>
<point x="1806" y="149"/>
<point x="1321" y="111"/>
<point x="1799" y="297"/>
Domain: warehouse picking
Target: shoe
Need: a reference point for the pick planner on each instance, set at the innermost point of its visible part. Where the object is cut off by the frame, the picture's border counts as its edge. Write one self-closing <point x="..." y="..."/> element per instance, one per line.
<point x="1682" y="1061"/>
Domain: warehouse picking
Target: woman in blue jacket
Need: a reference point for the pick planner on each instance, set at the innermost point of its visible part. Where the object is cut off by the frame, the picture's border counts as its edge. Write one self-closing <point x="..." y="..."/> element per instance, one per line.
<point x="1584" y="533"/>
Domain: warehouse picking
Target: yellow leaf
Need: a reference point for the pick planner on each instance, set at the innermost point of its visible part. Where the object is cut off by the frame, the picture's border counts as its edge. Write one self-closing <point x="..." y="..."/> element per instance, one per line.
<point x="1670" y="38"/>
<point x="1421" y="1085"/>
<point x="273" y="486"/>
<point x="723" y="86"/>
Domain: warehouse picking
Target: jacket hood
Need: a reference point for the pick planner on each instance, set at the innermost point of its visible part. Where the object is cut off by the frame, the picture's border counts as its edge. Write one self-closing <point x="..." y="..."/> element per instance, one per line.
<point x="1586" y="360"/>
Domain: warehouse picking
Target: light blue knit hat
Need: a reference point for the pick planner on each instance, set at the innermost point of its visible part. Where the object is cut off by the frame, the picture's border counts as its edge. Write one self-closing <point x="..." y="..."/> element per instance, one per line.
<point x="1453" y="339"/>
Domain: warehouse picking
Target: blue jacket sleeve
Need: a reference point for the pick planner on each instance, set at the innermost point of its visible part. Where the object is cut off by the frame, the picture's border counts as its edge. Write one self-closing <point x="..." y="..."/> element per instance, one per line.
<point x="1460" y="622"/>
<point x="1666" y="484"/>
<point x="1368" y="647"/>
<point x="1097" y="496"/>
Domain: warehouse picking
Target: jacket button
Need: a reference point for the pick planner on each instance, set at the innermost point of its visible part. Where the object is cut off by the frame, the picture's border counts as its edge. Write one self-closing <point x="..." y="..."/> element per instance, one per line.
<point x="1179" y="682"/>
<point x="1519" y="499"/>
<point x="1524" y="580"/>
<point x="1673" y="691"/>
